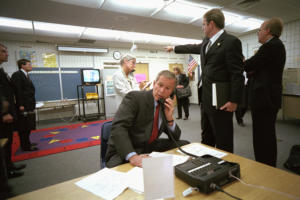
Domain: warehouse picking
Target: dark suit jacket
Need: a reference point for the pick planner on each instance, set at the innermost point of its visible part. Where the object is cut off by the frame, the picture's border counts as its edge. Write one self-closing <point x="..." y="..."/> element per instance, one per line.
<point x="24" y="90"/>
<point x="183" y="80"/>
<point x="222" y="63"/>
<point x="132" y="125"/>
<point x="25" y="96"/>
<point x="265" y="87"/>
<point x="7" y="95"/>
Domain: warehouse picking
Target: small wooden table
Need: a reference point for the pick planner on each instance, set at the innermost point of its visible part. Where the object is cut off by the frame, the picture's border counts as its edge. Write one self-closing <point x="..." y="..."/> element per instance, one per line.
<point x="252" y="172"/>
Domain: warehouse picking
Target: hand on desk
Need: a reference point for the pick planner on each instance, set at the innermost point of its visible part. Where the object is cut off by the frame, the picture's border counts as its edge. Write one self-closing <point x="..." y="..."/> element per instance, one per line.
<point x="136" y="160"/>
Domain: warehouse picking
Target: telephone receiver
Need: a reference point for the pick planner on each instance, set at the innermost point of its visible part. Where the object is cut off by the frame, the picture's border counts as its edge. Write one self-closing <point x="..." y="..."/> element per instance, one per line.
<point x="161" y="101"/>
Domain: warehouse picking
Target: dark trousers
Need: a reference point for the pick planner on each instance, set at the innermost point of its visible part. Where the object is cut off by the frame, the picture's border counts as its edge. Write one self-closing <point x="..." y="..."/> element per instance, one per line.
<point x="7" y="132"/>
<point x="24" y="126"/>
<point x="24" y="139"/>
<point x="159" y="145"/>
<point x="264" y="135"/>
<point x="217" y="129"/>
<point x="183" y="102"/>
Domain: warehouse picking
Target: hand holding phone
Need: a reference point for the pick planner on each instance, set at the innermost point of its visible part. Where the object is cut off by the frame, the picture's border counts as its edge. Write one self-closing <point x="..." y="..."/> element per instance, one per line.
<point x="167" y="105"/>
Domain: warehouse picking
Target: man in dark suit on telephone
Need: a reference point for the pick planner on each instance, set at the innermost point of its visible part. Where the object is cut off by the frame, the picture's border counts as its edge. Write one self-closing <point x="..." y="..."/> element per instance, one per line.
<point x="25" y="103"/>
<point x="265" y="89"/>
<point x="221" y="62"/>
<point x="139" y="122"/>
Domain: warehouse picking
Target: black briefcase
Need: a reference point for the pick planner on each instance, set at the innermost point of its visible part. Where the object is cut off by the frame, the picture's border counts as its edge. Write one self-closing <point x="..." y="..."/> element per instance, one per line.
<point x="293" y="162"/>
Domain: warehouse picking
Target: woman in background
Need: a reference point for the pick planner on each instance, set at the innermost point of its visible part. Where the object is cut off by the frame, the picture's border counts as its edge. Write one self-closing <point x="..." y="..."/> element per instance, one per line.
<point x="182" y="82"/>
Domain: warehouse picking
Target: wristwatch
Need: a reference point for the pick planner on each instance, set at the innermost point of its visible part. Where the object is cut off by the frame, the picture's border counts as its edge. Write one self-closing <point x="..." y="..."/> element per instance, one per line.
<point x="117" y="55"/>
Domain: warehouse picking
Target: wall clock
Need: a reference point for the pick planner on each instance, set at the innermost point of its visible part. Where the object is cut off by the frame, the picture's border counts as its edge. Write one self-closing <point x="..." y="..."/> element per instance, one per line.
<point x="117" y="55"/>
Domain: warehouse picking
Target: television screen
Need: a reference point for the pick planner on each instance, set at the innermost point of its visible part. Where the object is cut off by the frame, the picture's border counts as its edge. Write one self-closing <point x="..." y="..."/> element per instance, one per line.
<point x="90" y="76"/>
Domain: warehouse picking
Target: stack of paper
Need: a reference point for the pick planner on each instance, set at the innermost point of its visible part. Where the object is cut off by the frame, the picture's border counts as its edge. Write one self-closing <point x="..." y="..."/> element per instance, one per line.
<point x="106" y="183"/>
<point x="200" y="150"/>
<point x="109" y="184"/>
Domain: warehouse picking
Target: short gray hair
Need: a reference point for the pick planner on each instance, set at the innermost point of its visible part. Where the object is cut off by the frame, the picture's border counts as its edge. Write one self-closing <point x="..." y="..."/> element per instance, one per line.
<point x="127" y="57"/>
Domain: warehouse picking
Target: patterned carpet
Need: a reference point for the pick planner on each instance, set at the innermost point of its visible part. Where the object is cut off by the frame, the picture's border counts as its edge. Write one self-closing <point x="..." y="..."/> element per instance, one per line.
<point x="59" y="139"/>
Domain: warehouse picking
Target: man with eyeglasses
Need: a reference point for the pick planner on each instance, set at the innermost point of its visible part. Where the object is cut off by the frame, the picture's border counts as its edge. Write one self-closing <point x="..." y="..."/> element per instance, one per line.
<point x="7" y="115"/>
<point x="265" y="89"/>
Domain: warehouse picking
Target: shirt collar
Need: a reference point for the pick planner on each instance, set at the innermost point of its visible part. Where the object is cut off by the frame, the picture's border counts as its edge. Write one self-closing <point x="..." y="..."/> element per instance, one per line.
<point x="269" y="39"/>
<point x="216" y="36"/>
<point x="26" y="74"/>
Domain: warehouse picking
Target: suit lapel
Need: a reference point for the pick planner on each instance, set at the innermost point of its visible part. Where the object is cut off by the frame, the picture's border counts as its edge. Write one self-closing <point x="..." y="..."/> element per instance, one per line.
<point x="217" y="43"/>
<point x="149" y="103"/>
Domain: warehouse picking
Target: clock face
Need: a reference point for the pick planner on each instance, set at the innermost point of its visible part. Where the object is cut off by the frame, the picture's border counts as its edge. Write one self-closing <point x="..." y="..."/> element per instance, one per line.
<point x="117" y="55"/>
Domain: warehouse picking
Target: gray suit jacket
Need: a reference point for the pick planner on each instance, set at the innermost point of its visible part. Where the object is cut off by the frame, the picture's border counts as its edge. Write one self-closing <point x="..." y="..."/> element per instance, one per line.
<point x="222" y="63"/>
<point x="132" y="125"/>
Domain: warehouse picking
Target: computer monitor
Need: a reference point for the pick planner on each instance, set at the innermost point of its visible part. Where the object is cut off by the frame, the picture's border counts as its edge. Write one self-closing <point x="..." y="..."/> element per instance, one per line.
<point x="90" y="76"/>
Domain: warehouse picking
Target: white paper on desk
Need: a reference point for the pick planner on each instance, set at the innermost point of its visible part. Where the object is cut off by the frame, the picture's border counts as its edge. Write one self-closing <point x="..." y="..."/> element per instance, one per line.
<point x="135" y="179"/>
<point x="200" y="150"/>
<point x="177" y="159"/>
<point x="158" y="177"/>
<point x="106" y="183"/>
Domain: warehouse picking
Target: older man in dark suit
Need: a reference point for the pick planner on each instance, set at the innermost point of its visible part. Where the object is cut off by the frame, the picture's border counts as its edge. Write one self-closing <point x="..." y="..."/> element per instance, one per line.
<point x="139" y="122"/>
<point x="266" y="67"/>
<point x="221" y="62"/>
<point x="7" y="115"/>
<point x="25" y="101"/>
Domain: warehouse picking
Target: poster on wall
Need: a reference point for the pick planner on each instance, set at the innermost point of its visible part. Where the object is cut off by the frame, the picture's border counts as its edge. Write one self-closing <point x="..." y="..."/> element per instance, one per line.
<point x="109" y="88"/>
<point x="49" y="60"/>
<point x="28" y="55"/>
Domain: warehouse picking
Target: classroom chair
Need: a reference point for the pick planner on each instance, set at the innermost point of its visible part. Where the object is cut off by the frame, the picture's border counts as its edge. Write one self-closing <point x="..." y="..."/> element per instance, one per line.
<point x="105" y="133"/>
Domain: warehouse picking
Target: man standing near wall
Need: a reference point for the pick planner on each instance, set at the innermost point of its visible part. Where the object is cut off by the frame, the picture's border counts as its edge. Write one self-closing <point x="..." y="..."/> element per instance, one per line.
<point x="25" y="101"/>
<point x="265" y="89"/>
<point x="221" y="62"/>
<point x="8" y="115"/>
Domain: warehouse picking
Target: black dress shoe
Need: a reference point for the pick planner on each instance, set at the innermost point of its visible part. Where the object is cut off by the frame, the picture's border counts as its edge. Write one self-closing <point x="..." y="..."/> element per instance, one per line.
<point x="178" y="117"/>
<point x="17" y="167"/>
<point x="185" y="118"/>
<point x="31" y="149"/>
<point x="14" y="174"/>
<point x="34" y="144"/>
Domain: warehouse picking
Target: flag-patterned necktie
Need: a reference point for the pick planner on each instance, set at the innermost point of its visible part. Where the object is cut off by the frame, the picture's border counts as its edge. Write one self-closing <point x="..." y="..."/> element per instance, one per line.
<point x="155" y="125"/>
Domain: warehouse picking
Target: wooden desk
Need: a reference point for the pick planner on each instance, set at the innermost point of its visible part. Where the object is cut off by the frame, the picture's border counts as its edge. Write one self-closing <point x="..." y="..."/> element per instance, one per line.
<point x="251" y="172"/>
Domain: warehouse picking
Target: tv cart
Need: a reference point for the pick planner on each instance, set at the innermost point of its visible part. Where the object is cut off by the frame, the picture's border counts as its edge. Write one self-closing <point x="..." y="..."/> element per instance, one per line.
<point x="83" y="101"/>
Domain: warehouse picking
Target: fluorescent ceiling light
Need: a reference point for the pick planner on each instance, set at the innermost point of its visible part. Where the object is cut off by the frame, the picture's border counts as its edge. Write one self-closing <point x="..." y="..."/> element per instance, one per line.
<point x="15" y="23"/>
<point x="82" y="49"/>
<point x="249" y="23"/>
<point x="185" y="9"/>
<point x="138" y="4"/>
<point x="103" y="33"/>
<point x="231" y="18"/>
<point x="58" y="28"/>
